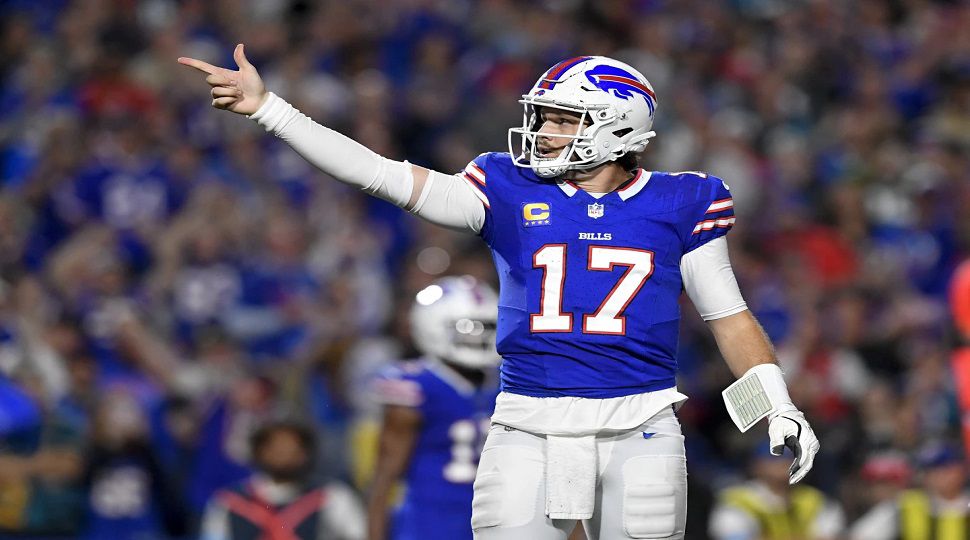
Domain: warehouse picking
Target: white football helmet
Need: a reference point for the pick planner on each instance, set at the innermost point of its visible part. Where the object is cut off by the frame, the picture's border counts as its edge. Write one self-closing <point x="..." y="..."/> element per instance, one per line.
<point x="453" y="319"/>
<point x="615" y="100"/>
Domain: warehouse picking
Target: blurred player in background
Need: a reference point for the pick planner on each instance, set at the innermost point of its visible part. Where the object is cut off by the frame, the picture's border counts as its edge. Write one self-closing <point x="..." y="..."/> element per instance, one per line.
<point x="936" y="511"/>
<point x="768" y="508"/>
<point x="884" y="475"/>
<point x="436" y="412"/>
<point x="592" y="253"/>
<point x="280" y="499"/>
<point x="130" y="496"/>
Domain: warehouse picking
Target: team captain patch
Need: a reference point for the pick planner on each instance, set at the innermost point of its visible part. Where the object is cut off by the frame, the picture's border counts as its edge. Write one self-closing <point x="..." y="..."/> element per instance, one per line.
<point x="534" y="214"/>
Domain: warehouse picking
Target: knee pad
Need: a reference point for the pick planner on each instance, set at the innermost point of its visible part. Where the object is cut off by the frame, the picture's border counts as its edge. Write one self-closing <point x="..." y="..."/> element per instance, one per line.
<point x="655" y="496"/>
<point x="507" y="487"/>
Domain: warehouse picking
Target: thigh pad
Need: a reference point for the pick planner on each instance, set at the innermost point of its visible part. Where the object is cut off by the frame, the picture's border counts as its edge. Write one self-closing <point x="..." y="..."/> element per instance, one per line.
<point x="655" y="496"/>
<point x="507" y="484"/>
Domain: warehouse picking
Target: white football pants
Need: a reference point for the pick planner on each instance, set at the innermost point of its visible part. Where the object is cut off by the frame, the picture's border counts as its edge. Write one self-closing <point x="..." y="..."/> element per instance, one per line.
<point x="641" y="488"/>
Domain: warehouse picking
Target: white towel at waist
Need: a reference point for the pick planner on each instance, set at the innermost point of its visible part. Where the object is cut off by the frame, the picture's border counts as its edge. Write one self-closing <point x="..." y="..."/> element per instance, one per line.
<point x="570" y="476"/>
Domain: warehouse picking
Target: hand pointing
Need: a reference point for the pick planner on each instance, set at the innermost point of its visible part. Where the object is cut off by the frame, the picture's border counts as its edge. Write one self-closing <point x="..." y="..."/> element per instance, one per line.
<point x="239" y="91"/>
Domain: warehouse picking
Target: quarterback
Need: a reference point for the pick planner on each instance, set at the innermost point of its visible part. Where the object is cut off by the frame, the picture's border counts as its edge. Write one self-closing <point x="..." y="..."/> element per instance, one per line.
<point x="592" y="254"/>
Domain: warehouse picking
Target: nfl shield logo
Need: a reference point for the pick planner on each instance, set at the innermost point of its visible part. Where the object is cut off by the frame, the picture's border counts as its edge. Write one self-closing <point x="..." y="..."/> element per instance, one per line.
<point x="595" y="210"/>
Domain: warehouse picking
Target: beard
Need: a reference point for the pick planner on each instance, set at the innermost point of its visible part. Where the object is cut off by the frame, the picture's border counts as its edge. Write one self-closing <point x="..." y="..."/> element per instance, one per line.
<point x="287" y="474"/>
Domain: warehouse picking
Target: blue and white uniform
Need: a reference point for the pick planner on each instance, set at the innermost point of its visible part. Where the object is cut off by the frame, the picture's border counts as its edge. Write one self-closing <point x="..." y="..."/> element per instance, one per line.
<point x="455" y="417"/>
<point x="588" y="314"/>
<point x="590" y="287"/>
<point x="587" y="329"/>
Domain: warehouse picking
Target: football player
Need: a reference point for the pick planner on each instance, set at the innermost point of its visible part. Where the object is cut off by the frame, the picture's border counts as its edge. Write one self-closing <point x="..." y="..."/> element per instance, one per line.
<point x="436" y="413"/>
<point x="592" y="253"/>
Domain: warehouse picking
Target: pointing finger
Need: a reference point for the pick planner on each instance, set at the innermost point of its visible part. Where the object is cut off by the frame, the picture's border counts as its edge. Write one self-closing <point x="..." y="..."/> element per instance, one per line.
<point x="204" y="67"/>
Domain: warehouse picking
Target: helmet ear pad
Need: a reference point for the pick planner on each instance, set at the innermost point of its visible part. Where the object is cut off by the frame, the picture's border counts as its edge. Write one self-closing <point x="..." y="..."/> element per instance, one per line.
<point x="605" y="140"/>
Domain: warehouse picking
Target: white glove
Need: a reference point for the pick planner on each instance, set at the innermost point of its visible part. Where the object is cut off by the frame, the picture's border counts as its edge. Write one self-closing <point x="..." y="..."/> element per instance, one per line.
<point x="761" y="392"/>
<point x="789" y="428"/>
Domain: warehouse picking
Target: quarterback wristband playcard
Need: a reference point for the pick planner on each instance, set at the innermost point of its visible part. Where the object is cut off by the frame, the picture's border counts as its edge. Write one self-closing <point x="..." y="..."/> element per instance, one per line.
<point x="747" y="401"/>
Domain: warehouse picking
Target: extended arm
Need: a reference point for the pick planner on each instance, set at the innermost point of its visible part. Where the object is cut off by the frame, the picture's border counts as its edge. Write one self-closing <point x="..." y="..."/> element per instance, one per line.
<point x="760" y="390"/>
<point x="442" y="199"/>
<point x="398" y="436"/>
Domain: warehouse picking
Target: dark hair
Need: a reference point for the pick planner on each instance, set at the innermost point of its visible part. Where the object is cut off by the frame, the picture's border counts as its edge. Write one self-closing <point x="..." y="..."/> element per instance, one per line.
<point x="630" y="161"/>
<point x="265" y="432"/>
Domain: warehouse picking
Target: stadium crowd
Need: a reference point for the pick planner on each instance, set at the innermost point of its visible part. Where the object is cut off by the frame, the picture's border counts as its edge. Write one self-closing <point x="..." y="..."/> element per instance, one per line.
<point x="171" y="276"/>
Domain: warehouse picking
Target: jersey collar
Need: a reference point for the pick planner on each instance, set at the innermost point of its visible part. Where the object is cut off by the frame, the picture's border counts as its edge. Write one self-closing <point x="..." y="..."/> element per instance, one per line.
<point x="567" y="187"/>
<point x="630" y="189"/>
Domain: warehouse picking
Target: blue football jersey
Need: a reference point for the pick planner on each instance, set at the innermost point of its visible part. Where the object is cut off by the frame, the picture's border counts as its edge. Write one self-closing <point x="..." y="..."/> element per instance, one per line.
<point x="590" y="287"/>
<point x="438" y="499"/>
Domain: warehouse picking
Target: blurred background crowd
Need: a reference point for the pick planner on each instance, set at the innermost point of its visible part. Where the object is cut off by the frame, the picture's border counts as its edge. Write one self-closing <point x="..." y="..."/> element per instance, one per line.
<point x="171" y="276"/>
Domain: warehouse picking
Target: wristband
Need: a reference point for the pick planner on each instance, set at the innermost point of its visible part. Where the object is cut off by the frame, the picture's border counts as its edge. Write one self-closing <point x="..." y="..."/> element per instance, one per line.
<point x="759" y="393"/>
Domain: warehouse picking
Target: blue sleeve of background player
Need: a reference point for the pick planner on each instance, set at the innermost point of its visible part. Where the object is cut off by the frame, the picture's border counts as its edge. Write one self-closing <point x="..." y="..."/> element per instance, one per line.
<point x="711" y="216"/>
<point x="400" y="385"/>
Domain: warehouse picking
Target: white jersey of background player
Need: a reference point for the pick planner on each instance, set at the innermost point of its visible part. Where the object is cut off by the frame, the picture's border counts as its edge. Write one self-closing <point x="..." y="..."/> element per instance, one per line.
<point x="592" y="254"/>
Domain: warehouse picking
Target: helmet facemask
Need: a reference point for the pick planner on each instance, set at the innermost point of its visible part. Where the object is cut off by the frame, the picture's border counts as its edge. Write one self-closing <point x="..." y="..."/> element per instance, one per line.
<point x="578" y="154"/>
<point x="471" y="343"/>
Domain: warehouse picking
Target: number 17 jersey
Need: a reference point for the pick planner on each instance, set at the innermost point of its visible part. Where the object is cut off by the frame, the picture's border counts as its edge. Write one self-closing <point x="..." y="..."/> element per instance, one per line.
<point x="590" y="287"/>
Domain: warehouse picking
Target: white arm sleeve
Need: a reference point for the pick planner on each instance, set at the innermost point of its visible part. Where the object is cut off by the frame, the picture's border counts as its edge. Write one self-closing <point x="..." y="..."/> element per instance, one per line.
<point x="450" y="201"/>
<point x="445" y="200"/>
<point x="710" y="282"/>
